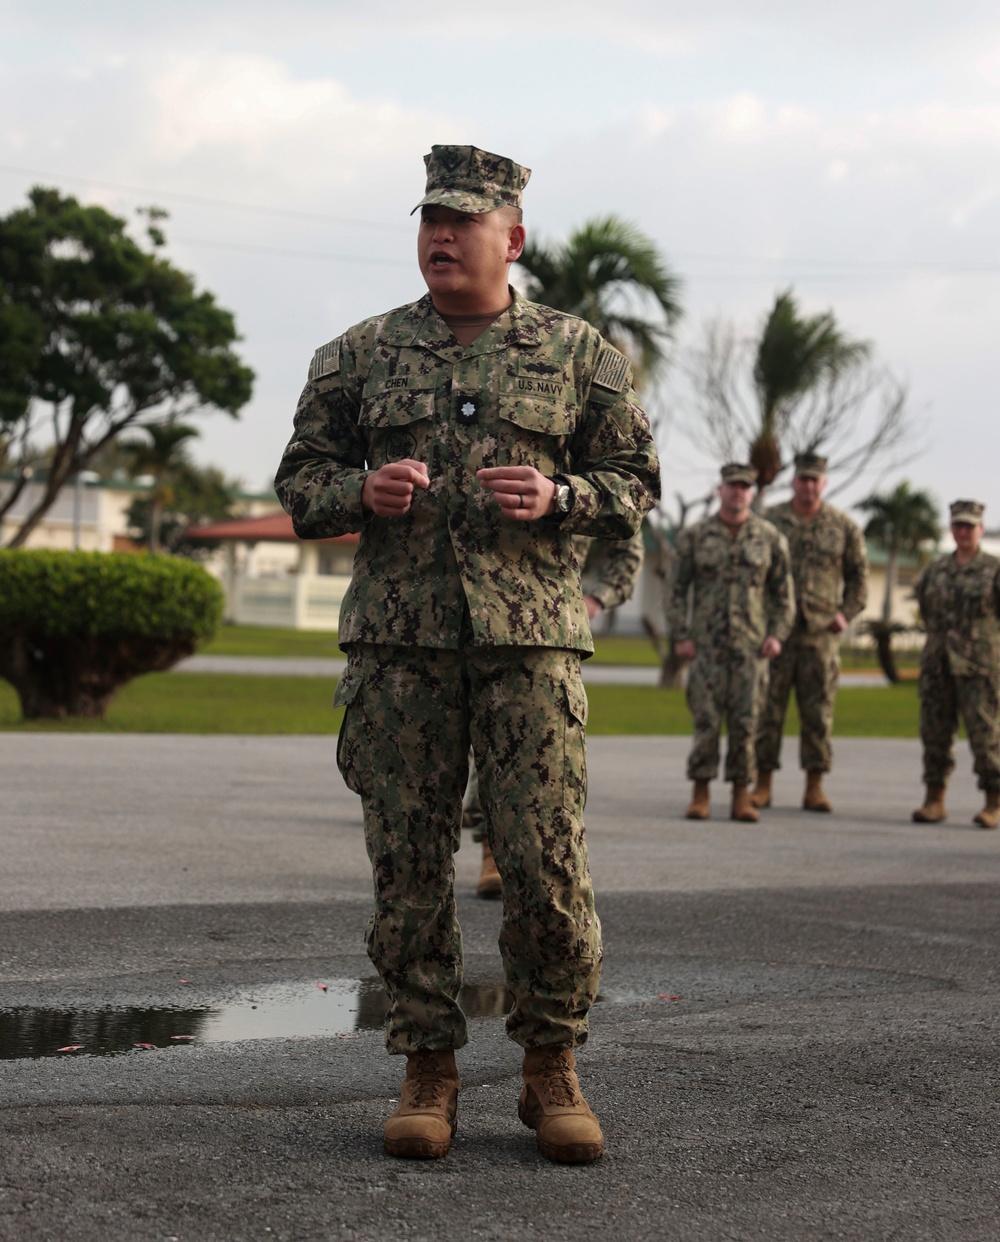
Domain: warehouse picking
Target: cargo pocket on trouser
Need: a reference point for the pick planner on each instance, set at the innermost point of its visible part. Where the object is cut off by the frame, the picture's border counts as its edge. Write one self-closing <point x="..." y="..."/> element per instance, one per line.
<point x="353" y="758"/>
<point x="574" y="699"/>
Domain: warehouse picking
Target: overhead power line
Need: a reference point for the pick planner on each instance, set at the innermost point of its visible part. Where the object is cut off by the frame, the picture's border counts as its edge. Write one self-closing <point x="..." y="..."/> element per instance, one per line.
<point x="289" y="254"/>
<point x="799" y="269"/>
<point x="203" y="201"/>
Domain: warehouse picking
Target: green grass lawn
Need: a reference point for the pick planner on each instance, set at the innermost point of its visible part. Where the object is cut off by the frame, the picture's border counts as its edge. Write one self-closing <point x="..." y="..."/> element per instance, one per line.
<point x="228" y="703"/>
<point x="251" y="640"/>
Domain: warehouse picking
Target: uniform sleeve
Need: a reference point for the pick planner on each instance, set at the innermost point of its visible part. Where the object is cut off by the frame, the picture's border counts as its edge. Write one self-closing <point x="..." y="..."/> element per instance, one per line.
<point x="920" y="593"/>
<point x="619" y="571"/>
<point x="855" y="573"/>
<point x="322" y="469"/>
<point x="780" y="591"/>
<point x="615" y="471"/>
<point x="678" y="602"/>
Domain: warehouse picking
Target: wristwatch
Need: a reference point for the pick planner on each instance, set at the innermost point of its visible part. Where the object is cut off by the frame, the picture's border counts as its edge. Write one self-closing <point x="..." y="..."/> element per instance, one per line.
<point x="564" y="497"/>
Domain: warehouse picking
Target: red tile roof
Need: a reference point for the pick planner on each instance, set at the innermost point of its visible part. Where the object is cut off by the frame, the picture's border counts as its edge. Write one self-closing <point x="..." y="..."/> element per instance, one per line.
<point x="272" y="528"/>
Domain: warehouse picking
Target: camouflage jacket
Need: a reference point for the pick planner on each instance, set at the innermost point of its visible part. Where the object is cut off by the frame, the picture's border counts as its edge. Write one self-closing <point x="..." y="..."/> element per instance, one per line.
<point x="536" y="388"/>
<point x="829" y="564"/>
<point x="610" y="568"/>
<point x="960" y="606"/>
<point x="743" y="590"/>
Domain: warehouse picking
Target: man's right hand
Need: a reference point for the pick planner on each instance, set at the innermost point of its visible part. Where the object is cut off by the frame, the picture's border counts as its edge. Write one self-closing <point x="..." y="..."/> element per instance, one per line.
<point x="388" y="491"/>
<point x="685" y="649"/>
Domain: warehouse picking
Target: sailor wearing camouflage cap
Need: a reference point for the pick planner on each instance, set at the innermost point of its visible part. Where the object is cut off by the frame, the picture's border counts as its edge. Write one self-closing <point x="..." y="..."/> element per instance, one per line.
<point x="730" y="609"/>
<point x="830" y="568"/>
<point x="959" y="598"/>
<point x="468" y="437"/>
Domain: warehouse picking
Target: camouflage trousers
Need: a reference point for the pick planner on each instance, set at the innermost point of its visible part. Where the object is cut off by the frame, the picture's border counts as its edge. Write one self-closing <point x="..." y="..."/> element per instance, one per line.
<point x="472" y="807"/>
<point x="810" y="663"/>
<point x="725" y="685"/>
<point x="404" y="743"/>
<point x="943" y="698"/>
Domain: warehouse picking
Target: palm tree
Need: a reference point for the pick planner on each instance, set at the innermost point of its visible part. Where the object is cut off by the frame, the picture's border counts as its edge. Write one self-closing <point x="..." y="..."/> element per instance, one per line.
<point x="609" y="272"/>
<point x="795" y="355"/>
<point x="901" y="521"/>
<point x="158" y="456"/>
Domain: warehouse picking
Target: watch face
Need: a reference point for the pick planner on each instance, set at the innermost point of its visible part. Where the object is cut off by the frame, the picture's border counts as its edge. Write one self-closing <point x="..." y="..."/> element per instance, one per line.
<point x="564" y="498"/>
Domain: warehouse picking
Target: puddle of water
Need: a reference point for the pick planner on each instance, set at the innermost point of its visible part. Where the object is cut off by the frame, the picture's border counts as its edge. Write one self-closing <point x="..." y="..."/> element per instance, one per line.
<point x="282" y="1011"/>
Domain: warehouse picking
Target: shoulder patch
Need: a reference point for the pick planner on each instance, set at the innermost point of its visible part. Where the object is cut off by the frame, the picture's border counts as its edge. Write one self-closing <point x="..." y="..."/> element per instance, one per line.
<point x="611" y="370"/>
<point x="326" y="360"/>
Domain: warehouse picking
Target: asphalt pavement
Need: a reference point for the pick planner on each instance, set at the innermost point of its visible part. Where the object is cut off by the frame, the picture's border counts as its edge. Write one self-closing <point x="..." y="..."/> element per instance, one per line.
<point x="797" y="1036"/>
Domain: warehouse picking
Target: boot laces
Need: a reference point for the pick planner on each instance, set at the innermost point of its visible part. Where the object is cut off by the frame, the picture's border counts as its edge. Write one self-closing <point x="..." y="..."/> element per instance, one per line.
<point x="428" y="1085"/>
<point x="559" y="1081"/>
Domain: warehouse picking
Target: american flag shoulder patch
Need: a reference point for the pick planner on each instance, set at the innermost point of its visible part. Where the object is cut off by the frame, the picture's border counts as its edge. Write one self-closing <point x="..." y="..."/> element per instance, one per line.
<point x="326" y="360"/>
<point x="611" y="371"/>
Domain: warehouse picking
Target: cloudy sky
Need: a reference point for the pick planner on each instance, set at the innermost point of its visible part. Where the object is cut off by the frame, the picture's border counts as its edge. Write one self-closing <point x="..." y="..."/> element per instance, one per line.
<point x="850" y="151"/>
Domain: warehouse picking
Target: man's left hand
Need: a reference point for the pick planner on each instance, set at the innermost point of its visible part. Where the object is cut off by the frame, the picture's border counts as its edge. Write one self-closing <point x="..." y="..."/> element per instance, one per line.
<point x="522" y="492"/>
<point x="838" y="624"/>
<point x="770" y="648"/>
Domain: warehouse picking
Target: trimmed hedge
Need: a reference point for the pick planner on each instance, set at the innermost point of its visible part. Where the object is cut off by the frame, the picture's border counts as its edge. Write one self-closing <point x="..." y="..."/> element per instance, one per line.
<point x="76" y="626"/>
<point x="58" y="594"/>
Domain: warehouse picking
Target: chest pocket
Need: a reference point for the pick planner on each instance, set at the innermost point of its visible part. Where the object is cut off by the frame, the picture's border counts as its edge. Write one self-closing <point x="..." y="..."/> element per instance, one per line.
<point x="399" y="423"/>
<point x="712" y="556"/>
<point x="754" y="559"/>
<point x="830" y="544"/>
<point x="535" y="428"/>
<point x="973" y="597"/>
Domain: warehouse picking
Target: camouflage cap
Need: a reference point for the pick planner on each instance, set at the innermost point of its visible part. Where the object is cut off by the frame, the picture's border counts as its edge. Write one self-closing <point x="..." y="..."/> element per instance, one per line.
<point x="810" y="465"/>
<point x="967" y="511"/>
<point x="467" y="179"/>
<point x="736" y="472"/>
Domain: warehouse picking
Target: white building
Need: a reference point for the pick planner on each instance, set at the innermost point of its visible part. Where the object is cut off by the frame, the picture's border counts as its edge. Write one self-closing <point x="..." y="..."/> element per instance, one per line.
<point x="272" y="577"/>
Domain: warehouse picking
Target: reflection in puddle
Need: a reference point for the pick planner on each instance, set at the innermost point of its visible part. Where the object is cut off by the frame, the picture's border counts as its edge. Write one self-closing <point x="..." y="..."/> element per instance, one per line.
<point x="288" y="1011"/>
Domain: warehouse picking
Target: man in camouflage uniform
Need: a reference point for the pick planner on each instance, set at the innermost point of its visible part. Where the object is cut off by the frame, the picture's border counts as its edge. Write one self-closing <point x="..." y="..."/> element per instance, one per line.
<point x="830" y="569"/>
<point x="959" y="598"/>
<point x="735" y="567"/>
<point x="468" y="436"/>
<point x="606" y="585"/>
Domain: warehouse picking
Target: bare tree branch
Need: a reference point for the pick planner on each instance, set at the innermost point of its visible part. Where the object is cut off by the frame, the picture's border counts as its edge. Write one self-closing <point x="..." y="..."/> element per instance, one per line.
<point x="856" y="413"/>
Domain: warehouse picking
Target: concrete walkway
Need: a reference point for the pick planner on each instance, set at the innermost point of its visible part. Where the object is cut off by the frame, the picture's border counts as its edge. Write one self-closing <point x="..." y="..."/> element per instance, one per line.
<point x="797" y="1037"/>
<point x="595" y="674"/>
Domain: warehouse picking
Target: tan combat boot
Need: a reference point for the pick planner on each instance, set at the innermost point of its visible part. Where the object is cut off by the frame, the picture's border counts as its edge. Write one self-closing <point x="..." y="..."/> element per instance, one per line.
<point x="933" y="811"/>
<point x="761" y="796"/>
<point x="989" y="816"/>
<point x="422" y="1125"/>
<point x="489" y="878"/>
<point x="552" y="1104"/>
<point x="743" y="809"/>
<point x="698" y="808"/>
<point x="815" y="799"/>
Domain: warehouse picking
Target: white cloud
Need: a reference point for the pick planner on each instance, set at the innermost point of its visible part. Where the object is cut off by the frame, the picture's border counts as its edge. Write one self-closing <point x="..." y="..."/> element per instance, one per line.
<point x="652" y="121"/>
<point x="245" y="104"/>
<point x="963" y="213"/>
<point x="742" y="117"/>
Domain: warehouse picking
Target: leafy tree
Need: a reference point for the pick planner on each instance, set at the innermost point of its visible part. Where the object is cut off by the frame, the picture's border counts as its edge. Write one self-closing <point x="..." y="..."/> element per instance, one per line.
<point x="901" y="522"/>
<point x="197" y="494"/>
<point x="799" y="385"/>
<point x="157" y="456"/>
<point x="610" y="274"/>
<point x="102" y="332"/>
